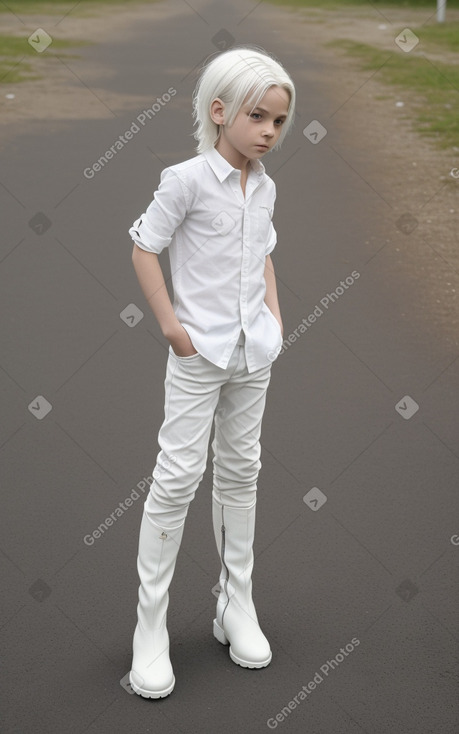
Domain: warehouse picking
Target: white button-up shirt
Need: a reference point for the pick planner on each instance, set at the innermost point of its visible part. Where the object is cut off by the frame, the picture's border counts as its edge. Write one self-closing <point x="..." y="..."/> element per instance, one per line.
<point x="218" y="241"/>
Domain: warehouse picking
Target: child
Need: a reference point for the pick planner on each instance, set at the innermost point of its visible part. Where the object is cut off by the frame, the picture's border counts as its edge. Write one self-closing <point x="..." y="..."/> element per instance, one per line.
<point x="224" y="329"/>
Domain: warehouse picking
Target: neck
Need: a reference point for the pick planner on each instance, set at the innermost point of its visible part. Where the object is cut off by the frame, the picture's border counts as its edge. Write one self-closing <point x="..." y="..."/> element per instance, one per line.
<point x="236" y="159"/>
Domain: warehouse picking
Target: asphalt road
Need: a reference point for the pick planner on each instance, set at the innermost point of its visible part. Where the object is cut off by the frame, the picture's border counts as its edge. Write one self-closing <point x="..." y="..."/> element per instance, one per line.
<point x="357" y="538"/>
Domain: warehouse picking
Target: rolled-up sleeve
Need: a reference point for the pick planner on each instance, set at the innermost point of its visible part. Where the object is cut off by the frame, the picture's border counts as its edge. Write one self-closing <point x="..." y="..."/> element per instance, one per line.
<point x="153" y="230"/>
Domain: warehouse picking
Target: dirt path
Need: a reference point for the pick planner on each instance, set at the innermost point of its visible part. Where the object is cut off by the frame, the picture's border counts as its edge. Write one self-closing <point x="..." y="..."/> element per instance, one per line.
<point x="406" y="170"/>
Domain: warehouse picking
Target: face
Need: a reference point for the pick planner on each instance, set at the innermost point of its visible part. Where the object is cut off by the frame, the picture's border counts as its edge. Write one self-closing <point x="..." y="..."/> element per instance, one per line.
<point x="254" y="131"/>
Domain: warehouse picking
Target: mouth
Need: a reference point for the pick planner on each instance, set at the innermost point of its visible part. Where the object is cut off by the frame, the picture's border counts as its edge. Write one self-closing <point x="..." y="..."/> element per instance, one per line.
<point x="263" y="147"/>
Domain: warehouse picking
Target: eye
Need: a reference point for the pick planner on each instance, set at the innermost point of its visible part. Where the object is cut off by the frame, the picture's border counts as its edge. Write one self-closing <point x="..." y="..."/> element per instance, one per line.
<point x="281" y="122"/>
<point x="255" y="114"/>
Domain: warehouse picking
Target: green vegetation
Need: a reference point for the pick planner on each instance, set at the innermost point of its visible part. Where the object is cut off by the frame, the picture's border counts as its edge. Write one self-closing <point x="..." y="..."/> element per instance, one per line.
<point x="439" y="36"/>
<point x="437" y="84"/>
<point x="336" y="4"/>
<point x="434" y="82"/>
<point x="56" y="7"/>
<point x="14" y="49"/>
<point x="14" y="66"/>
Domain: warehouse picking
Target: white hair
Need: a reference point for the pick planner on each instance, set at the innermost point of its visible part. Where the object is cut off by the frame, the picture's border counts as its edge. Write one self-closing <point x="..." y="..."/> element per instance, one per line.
<point x="232" y="76"/>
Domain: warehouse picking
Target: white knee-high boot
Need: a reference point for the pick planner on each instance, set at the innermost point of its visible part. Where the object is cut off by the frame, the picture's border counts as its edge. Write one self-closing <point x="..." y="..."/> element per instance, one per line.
<point x="236" y="622"/>
<point x="151" y="675"/>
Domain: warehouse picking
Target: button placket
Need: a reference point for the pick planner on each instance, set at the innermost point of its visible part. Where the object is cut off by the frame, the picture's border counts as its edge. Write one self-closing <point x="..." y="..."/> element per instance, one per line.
<point x="245" y="267"/>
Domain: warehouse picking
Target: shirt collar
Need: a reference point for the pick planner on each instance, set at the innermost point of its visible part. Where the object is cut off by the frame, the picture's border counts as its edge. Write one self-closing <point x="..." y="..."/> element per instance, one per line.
<point x="222" y="168"/>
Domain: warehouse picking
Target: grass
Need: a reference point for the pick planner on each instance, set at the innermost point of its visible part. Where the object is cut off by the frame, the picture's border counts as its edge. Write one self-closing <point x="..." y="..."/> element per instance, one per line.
<point x="439" y="36"/>
<point x="336" y="4"/>
<point x="58" y="7"/>
<point x="435" y="111"/>
<point x="13" y="51"/>
<point x="436" y="115"/>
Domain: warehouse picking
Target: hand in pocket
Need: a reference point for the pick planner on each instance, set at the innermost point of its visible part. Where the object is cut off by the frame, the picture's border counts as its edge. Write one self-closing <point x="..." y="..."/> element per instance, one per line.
<point x="182" y="344"/>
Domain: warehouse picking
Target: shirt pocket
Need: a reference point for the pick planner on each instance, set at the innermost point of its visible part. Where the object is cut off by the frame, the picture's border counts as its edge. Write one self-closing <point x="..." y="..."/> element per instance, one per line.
<point x="265" y="214"/>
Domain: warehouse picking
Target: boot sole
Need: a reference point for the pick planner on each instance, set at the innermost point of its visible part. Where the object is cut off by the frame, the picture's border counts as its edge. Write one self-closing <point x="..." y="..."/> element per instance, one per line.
<point x="152" y="694"/>
<point x="219" y="634"/>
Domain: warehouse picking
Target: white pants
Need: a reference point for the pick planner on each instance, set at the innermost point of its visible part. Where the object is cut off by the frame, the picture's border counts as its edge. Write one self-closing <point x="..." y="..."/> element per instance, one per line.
<point x="196" y="393"/>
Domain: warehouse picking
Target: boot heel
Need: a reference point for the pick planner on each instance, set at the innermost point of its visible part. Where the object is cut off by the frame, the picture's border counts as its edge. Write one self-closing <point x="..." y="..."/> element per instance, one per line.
<point x="219" y="634"/>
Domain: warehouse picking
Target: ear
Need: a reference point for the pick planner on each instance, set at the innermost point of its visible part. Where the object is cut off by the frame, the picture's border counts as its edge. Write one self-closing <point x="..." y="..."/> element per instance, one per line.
<point x="217" y="111"/>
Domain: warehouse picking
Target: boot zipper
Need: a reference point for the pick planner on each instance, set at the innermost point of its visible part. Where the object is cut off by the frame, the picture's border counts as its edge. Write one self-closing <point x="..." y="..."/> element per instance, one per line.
<point x="223" y="529"/>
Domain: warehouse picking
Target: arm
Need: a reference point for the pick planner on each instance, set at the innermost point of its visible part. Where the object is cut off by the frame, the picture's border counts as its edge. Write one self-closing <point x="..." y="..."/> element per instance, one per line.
<point x="151" y="279"/>
<point x="271" y="299"/>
